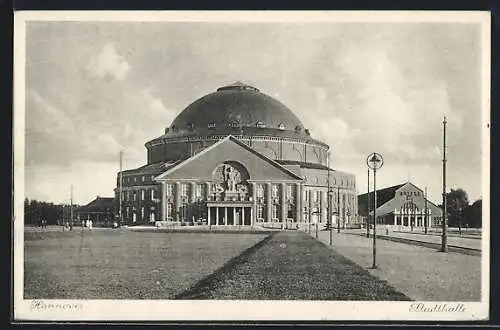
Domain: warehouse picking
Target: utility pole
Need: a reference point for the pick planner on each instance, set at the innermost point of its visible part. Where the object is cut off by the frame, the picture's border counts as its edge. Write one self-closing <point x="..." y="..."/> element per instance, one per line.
<point x="71" y="207"/>
<point x="121" y="189"/>
<point x="368" y="207"/>
<point x="426" y="212"/>
<point x="338" y="209"/>
<point x="329" y="200"/>
<point x="444" y="243"/>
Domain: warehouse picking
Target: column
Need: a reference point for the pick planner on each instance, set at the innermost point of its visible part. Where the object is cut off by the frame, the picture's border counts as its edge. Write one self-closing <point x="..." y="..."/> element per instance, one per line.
<point x="243" y="215"/>
<point x="177" y="194"/>
<point x="283" y="203"/>
<point x="193" y="192"/>
<point x="298" y="202"/>
<point x="253" y="209"/>
<point x="269" y="201"/>
<point x="234" y="216"/>
<point x="163" y="201"/>
<point x="192" y="199"/>
<point x="216" y="216"/>
<point x="225" y="216"/>
<point x="208" y="215"/>
<point x="207" y="190"/>
<point x="322" y="209"/>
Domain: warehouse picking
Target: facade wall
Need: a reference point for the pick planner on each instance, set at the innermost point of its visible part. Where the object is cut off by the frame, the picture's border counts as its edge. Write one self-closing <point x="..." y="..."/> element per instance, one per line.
<point x="273" y="148"/>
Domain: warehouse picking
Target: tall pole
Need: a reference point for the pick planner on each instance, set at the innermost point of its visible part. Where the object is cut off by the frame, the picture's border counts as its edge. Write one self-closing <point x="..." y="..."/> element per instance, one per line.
<point x="374" y="217"/>
<point x="71" y="206"/>
<point x="444" y="243"/>
<point x="426" y="212"/>
<point x="329" y="200"/>
<point x="338" y="209"/>
<point x="121" y="189"/>
<point x="368" y="207"/>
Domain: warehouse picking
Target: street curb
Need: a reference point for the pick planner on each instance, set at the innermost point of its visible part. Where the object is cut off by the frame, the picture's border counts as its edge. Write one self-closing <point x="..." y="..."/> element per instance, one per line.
<point x="451" y="248"/>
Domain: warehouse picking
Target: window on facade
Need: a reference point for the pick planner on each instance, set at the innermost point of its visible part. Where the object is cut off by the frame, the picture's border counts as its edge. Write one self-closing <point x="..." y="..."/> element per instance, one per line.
<point x="184" y="189"/>
<point x="260" y="211"/>
<point x="142" y="212"/>
<point x="289" y="191"/>
<point x="275" y="214"/>
<point x="152" y="194"/>
<point x="134" y="196"/>
<point x="135" y="179"/>
<point x="169" y="210"/>
<point x="211" y="125"/>
<point x="184" y="209"/>
<point x="143" y="194"/>
<point x="305" y="196"/>
<point x="143" y="178"/>
<point x="317" y="196"/>
<point x="170" y="189"/>
<point x="127" y="210"/>
<point x="260" y="191"/>
<point x="199" y="190"/>
<point x="281" y="126"/>
<point x="274" y="190"/>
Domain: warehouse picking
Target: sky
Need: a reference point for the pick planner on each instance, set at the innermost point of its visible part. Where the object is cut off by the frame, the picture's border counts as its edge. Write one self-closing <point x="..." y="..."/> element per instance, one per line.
<point x="93" y="88"/>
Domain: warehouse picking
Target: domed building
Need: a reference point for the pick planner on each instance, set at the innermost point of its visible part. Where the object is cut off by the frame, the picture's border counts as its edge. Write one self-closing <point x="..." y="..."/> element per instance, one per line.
<point x="236" y="157"/>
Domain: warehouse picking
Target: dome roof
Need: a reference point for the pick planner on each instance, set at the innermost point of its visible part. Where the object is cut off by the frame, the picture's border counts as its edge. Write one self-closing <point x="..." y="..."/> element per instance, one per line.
<point x="237" y="107"/>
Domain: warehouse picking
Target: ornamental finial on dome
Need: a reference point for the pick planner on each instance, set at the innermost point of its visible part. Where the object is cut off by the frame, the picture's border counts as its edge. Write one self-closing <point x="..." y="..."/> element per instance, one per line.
<point x="238" y="85"/>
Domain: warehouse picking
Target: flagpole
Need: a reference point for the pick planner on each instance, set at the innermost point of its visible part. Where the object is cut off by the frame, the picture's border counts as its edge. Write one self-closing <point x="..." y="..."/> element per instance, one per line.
<point x="121" y="189"/>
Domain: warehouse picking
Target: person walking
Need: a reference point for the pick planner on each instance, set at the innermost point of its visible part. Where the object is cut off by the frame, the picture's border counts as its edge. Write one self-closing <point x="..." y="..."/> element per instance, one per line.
<point x="90" y="225"/>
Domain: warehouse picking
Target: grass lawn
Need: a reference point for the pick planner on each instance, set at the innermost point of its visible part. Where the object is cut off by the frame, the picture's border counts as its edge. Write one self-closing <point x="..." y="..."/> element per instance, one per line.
<point x="293" y="266"/>
<point x="121" y="264"/>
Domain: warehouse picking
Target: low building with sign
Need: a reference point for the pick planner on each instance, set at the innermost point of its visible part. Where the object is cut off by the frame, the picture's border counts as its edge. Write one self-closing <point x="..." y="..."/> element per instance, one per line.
<point x="403" y="206"/>
<point x="236" y="157"/>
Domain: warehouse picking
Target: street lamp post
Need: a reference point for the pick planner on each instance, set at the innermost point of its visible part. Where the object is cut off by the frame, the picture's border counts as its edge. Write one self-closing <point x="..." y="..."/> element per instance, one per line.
<point x="338" y="209"/>
<point x="368" y="208"/>
<point x="374" y="161"/>
<point x="330" y="191"/>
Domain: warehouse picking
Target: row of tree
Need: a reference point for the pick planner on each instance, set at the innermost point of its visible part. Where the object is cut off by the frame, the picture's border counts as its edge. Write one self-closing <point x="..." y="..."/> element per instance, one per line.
<point x="35" y="211"/>
<point x="462" y="213"/>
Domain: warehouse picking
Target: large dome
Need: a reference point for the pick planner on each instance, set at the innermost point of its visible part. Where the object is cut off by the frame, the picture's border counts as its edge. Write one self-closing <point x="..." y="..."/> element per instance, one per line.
<point x="237" y="107"/>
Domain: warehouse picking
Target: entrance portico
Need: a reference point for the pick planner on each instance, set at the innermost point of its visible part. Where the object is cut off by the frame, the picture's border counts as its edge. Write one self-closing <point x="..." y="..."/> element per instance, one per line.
<point x="229" y="214"/>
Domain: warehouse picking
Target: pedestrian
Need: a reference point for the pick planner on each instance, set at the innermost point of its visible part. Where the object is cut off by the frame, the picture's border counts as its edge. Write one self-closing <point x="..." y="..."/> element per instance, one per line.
<point x="87" y="223"/>
<point x="83" y="224"/>
<point x="387" y="230"/>
<point x="90" y="224"/>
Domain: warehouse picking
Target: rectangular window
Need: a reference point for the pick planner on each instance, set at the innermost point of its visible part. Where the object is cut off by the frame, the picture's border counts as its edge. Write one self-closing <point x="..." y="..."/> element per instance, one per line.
<point x="127" y="211"/>
<point x="135" y="179"/>
<point x="169" y="210"/>
<point x="170" y="189"/>
<point x="143" y="195"/>
<point x="142" y="212"/>
<point x="274" y="190"/>
<point x="184" y="209"/>
<point x="306" y="195"/>
<point x="260" y="211"/>
<point x="260" y="191"/>
<point x="134" y="196"/>
<point x="199" y="190"/>
<point x="275" y="211"/>
<point x="288" y="191"/>
<point x="184" y="189"/>
<point x="152" y="194"/>
<point x="143" y="178"/>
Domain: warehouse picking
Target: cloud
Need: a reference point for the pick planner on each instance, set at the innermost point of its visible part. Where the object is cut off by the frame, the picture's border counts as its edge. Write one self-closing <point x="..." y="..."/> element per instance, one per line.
<point x="109" y="63"/>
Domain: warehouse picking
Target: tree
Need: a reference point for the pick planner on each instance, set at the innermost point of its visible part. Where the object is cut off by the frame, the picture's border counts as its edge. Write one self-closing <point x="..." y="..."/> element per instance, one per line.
<point x="457" y="202"/>
<point x="473" y="214"/>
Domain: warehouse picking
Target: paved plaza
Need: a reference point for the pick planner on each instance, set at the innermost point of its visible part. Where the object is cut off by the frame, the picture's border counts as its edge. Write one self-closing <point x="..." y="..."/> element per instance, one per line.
<point x="419" y="272"/>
